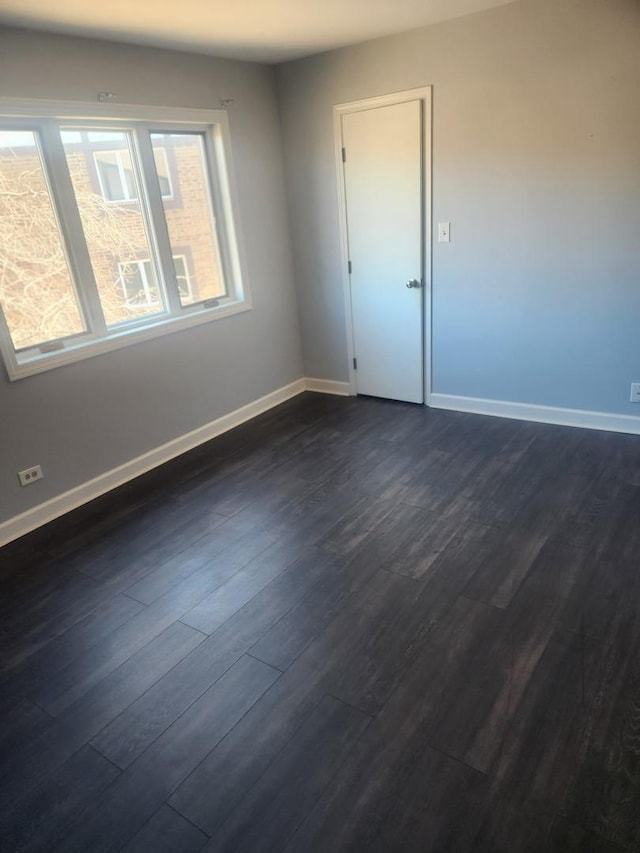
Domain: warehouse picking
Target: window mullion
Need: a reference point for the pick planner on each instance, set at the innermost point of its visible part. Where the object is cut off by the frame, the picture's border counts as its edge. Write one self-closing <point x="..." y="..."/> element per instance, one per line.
<point x="71" y="226"/>
<point x="162" y="244"/>
<point x="216" y="145"/>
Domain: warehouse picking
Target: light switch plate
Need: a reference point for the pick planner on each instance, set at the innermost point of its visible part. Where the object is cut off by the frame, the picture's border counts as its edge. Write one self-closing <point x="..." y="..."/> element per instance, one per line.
<point x="444" y="232"/>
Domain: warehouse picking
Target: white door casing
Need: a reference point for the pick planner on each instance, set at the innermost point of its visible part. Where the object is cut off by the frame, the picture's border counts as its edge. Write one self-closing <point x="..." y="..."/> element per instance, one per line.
<point x="384" y="193"/>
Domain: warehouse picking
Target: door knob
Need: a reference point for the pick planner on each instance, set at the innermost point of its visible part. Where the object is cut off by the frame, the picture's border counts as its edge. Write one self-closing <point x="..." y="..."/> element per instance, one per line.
<point x="414" y="283"/>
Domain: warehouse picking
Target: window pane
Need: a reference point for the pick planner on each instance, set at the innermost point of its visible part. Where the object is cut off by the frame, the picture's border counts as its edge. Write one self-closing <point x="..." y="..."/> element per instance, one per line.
<point x="189" y="215"/>
<point x="36" y="288"/>
<point x="106" y="189"/>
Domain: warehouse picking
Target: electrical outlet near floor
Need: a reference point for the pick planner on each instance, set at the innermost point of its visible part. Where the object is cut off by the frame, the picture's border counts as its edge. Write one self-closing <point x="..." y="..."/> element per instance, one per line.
<point x="635" y="392"/>
<point x="30" y="475"/>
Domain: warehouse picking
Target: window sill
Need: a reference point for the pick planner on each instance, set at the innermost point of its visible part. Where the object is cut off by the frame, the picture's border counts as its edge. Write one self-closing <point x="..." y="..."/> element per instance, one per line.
<point x="19" y="368"/>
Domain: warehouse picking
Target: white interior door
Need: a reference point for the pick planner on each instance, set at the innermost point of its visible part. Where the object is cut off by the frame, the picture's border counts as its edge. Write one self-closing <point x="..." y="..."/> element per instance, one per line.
<point x="383" y="188"/>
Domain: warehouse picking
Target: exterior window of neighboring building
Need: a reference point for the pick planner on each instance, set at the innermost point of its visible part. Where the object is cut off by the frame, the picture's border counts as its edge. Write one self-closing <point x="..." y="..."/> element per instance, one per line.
<point x="140" y="286"/>
<point x="182" y="277"/>
<point x="116" y="176"/>
<point x="113" y="231"/>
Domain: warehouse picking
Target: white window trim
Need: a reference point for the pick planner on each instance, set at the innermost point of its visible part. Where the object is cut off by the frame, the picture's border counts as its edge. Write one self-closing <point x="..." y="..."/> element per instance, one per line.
<point x="218" y="142"/>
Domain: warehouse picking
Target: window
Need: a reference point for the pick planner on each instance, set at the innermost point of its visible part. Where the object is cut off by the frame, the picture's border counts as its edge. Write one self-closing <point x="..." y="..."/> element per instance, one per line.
<point x="113" y="230"/>
<point x="182" y="277"/>
<point x="202" y="238"/>
<point x="39" y="299"/>
<point x="116" y="175"/>
<point x="139" y="285"/>
<point x="162" y="169"/>
<point x="115" y="172"/>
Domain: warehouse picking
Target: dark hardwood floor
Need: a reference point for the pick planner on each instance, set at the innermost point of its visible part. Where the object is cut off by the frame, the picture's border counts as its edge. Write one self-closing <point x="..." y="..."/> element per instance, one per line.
<point x="348" y="625"/>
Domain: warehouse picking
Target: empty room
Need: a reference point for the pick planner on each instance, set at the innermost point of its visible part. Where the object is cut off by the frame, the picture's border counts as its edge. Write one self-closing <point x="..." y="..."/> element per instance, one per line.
<point x="320" y="426"/>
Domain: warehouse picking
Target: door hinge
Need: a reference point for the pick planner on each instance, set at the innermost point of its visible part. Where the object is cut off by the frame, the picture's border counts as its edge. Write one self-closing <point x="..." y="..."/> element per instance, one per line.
<point x="344" y="155"/>
<point x="350" y="267"/>
<point x="355" y="363"/>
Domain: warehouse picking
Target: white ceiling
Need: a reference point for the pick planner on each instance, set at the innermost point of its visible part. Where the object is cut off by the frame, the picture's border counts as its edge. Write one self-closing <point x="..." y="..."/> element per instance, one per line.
<point x="259" y="30"/>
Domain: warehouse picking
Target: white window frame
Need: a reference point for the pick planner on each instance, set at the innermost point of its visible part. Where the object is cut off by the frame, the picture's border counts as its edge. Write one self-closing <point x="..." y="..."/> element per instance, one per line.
<point x="44" y="117"/>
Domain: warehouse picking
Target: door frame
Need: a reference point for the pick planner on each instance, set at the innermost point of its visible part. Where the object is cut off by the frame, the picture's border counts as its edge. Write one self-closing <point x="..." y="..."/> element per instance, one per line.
<point x="423" y="94"/>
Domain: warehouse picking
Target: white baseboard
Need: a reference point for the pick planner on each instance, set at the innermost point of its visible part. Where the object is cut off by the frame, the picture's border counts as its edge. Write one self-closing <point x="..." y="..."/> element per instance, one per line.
<point x="45" y="512"/>
<point x="85" y="492"/>
<point x="540" y="414"/>
<point x="328" y="386"/>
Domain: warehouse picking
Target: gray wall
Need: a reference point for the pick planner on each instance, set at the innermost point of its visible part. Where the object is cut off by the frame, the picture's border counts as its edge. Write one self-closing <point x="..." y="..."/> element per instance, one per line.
<point x="80" y="420"/>
<point x="536" y="163"/>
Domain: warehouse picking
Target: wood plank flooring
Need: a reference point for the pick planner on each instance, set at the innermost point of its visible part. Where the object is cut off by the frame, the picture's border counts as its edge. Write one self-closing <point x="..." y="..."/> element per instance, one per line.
<point x="348" y="625"/>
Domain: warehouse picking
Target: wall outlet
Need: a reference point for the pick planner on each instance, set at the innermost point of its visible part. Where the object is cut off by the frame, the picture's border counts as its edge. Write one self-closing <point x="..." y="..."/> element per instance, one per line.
<point x="635" y="392"/>
<point x="30" y="475"/>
